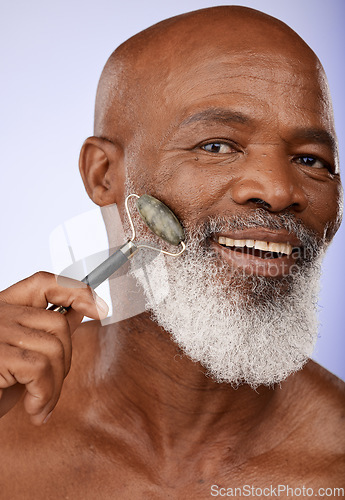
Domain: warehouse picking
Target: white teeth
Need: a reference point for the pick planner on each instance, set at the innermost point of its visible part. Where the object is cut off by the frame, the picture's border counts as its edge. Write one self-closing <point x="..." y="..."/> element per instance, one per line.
<point x="261" y="245"/>
<point x="288" y="249"/>
<point x="274" y="247"/>
<point x="239" y="243"/>
<point x="280" y="248"/>
<point x="270" y="246"/>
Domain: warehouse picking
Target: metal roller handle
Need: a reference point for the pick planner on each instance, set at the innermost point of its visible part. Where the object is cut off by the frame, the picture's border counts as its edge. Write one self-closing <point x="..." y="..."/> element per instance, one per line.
<point x="104" y="270"/>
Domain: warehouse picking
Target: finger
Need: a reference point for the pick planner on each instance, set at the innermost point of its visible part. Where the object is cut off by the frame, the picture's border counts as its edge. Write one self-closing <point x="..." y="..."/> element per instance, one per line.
<point x="43" y="288"/>
<point x="38" y="330"/>
<point x="32" y="291"/>
<point x="35" y="372"/>
<point x="85" y="301"/>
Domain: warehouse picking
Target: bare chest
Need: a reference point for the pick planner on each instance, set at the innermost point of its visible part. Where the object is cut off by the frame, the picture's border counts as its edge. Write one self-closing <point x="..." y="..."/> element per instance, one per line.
<point x="79" y="470"/>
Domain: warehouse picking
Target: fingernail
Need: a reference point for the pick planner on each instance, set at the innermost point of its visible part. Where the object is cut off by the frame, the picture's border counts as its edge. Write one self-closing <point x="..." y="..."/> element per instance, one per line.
<point x="101" y="305"/>
<point x="47" y="417"/>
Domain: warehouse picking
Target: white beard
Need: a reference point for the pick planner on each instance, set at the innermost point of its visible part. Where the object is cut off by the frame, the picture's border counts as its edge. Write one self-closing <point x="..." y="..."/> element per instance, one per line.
<point x="241" y="328"/>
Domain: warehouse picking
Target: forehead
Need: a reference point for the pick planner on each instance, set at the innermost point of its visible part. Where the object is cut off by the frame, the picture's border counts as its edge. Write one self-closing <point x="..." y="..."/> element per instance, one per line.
<point x="268" y="85"/>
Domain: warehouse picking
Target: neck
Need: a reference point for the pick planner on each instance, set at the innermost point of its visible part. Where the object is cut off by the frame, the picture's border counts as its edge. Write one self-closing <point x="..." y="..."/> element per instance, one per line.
<point x="158" y="389"/>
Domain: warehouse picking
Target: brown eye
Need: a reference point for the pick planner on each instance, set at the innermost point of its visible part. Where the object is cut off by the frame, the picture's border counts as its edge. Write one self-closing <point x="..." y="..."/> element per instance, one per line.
<point x="311" y="161"/>
<point x="217" y="147"/>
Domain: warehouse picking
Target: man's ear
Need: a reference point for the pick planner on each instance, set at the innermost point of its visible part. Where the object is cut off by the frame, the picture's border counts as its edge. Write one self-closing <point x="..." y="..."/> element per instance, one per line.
<point x="102" y="170"/>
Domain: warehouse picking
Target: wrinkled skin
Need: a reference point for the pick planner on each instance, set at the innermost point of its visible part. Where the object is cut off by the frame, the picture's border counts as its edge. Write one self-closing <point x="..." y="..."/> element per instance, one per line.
<point x="134" y="420"/>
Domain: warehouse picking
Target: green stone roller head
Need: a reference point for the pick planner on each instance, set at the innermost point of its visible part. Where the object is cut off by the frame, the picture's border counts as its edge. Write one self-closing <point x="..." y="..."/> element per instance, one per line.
<point x="160" y="219"/>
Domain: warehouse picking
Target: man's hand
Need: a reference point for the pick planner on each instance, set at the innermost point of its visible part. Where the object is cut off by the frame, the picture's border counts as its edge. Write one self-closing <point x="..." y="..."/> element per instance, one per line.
<point x="35" y="344"/>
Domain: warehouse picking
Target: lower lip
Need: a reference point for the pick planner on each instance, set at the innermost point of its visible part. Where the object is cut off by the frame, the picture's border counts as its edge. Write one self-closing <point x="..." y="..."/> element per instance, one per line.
<point x="252" y="265"/>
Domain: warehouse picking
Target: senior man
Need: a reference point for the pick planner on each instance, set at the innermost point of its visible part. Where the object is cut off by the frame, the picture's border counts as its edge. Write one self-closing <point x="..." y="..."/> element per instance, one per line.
<point x="223" y="114"/>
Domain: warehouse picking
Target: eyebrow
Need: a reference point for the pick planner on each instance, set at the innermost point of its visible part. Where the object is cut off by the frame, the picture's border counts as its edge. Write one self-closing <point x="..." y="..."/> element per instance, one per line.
<point x="217" y="115"/>
<point x="317" y="135"/>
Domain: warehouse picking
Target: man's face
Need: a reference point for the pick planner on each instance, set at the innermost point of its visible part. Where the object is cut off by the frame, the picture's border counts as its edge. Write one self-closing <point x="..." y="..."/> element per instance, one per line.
<point x="241" y="146"/>
<point x="232" y="132"/>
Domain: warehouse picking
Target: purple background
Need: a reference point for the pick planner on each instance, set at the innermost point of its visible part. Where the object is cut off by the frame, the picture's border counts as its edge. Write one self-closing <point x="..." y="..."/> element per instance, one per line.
<point x="52" y="54"/>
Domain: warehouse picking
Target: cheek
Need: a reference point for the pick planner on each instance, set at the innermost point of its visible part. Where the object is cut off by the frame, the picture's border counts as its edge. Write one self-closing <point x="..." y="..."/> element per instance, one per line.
<point x="326" y="208"/>
<point x="190" y="189"/>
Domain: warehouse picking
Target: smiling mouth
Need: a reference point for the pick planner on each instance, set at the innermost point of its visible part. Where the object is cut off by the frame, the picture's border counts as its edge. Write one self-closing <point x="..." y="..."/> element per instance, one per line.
<point x="258" y="248"/>
<point x="258" y="256"/>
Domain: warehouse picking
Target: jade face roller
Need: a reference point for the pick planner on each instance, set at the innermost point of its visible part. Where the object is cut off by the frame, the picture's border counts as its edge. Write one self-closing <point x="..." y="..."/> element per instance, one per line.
<point x="159" y="219"/>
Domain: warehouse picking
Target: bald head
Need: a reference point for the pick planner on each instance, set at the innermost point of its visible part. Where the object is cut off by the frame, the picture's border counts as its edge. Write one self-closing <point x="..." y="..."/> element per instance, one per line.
<point x="140" y="72"/>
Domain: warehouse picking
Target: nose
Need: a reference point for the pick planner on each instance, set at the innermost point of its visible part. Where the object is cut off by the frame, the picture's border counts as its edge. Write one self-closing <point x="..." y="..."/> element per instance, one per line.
<point x="275" y="185"/>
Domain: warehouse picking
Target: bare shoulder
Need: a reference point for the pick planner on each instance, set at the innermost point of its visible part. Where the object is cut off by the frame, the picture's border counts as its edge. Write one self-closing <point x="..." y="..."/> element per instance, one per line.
<point x="318" y="416"/>
<point x="317" y="423"/>
<point x="326" y="388"/>
<point x="321" y="396"/>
